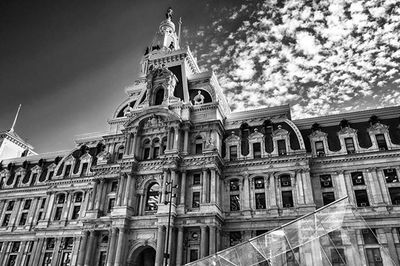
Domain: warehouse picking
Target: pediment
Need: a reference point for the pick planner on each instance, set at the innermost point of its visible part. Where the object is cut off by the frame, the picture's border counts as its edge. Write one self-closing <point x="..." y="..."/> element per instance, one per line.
<point x="347" y="131"/>
<point x="4" y="172"/>
<point x="36" y="168"/>
<point x="318" y="134"/>
<point x="20" y="170"/>
<point x="378" y="127"/>
<point x="256" y="135"/>
<point x="232" y="138"/>
<point x="69" y="159"/>
<point x="104" y="155"/>
<point x="86" y="156"/>
<point x="280" y="132"/>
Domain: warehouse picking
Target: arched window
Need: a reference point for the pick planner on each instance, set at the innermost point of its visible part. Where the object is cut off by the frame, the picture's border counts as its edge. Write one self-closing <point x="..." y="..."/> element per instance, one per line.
<point x="146" y="149"/>
<point x="152" y="197"/>
<point x="156" y="148"/>
<point x="198" y="145"/>
<point x="120" y="152"/>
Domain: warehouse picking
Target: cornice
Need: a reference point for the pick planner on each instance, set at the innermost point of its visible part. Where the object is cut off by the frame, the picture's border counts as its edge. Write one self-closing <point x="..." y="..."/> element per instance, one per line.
<point x="354" y="157"/>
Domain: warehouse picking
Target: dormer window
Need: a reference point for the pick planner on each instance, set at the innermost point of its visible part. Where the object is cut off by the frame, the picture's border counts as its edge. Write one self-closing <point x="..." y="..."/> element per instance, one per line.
<point x="282" y="147"/>
<point x="319" y="148"/>
<point x="257" y="150"/>
<point x="233" y="153"/>
<point x="349" y="142"/>
<point x="381" y="141"/>
<point x="84" y="168"/>
<point x="67" y="170"/>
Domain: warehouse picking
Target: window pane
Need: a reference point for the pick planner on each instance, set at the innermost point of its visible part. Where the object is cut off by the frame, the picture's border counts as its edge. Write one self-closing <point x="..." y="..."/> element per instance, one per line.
<point x="235" y="238"/>
<point x="152" y="197"/>
<point x="281" y="147"/>
<point x="361" y="198"/>
<point x="259" y="182"/>
<point x="328" y="197"/>
<point x="319" y="147"/>
<point x="391" y="175"/>
<point x="285" y="181"/>
<point x="233" y="152"/>
<point x="395" y="195"/>
<point x="287" y="199"/>
<point x="234" y="185"/>
<point x="196" y="200"/>
<point x="326" y="181"/>
<point x="357" y="178"/>
<point x="196" y="179"/>
<point x="234" y="202"/>
<point x="381" y="141"/>
<point x="349" y="145"/>
<point x="257" y="150"/>
<point x="369" y="236"/>
<point x="260" y="201"/>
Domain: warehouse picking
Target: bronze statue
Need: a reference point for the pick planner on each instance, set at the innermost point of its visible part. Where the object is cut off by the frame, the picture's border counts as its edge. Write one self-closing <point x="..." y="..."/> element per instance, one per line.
<point x="169" y="13"/>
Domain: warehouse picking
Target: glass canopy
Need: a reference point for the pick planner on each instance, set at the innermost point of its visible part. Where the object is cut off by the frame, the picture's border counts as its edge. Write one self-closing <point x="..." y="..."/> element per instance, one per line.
<point x="324" y="237"/>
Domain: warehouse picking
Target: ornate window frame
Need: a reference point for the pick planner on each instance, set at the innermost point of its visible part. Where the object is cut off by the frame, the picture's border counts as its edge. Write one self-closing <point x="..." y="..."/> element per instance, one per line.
<point x="348" y="132"/>
<point x="256" y="137"/>
<point x="316" y="136"/>
<point x="233" y="140"/>
<point x="379" y="128"/>
<point x="281" y="134"/>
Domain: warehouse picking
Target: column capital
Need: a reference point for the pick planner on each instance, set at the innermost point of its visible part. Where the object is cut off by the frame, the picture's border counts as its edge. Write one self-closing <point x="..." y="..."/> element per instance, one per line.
<point x="371" y="169"/>
<point x="338" y="172"/>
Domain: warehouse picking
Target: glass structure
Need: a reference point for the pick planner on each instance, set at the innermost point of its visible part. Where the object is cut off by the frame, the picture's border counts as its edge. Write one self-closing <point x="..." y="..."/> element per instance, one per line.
<point x="324" y="237"/>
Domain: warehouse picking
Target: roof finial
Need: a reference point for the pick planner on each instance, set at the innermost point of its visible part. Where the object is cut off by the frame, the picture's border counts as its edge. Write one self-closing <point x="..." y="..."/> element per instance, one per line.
<point x="15" y="119"/>
<point x="169" y="13"/>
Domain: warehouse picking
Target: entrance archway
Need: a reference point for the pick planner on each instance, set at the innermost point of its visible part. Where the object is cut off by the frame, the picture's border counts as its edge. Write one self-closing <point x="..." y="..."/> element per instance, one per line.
<point x="144" y="256"/>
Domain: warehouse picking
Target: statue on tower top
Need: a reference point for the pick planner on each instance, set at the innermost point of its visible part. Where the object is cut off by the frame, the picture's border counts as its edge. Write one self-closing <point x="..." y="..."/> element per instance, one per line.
<point x="169" y="13"/>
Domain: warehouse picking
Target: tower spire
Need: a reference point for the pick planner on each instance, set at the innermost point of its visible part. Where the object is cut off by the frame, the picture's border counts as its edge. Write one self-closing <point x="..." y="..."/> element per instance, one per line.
<point x="15" y="119"/>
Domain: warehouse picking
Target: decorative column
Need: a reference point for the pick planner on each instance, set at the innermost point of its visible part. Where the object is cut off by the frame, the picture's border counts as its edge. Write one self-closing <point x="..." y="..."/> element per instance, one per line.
<point x="90" y="248"/>
<point x="164" y="186"/>
<point x="121" y="188"/>
<point x="179" y="249"/>
<point x="38" y="252"/>
<point x="3" y="252"/>
<point x="176" y="137"/>
<point x="49" y="206"/>
<point x="203" y="241"/>
<point x="98" y="194"/>
<point x="160" y="245"/>
<point x="67" y="206"/>
<point x="33" y="211"/>
<point x="391" y="245"/>
<point x="218" y="236"/>
<point x="349" y="188"/>
<point x="204" y="187"/>
<point x="382" y="183"/>
<point x="127" y="143"/>
<point x="21" y="254"/>
<point x="82" y="249"/>
<point x="309" y="200"/>
<point x="141" y="203"/>
<point x="272" y="191"/>
<point x="111" y="247"/>
<point x="299" y="187"/>
<point x="213" y="187"/>
<point x="374" y="187"/>
<point x="212" y="239"/>
<point x="92" y="200"/>
<point x="183" y="188"/>
<point x="120" y="248"/>
<point x="186" y="140"/>
<point x="341" y="184"/>
<point x="246" y="192"/>
<point x="127" y="190"/>
<point x="174" y="182"/>
<point x="134" y="144"/>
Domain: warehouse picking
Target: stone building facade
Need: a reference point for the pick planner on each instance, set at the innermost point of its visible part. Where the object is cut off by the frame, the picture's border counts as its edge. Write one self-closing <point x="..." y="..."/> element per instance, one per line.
<point x="233" y="175"/>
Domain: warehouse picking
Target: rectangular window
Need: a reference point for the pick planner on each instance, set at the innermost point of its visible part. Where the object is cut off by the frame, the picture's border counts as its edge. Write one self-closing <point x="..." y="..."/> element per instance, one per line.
<point x="75" y="212"/>
<point x="146" y="154"/>
<point x="257" y="150"/>
<point x="111" y="204"/>
<point x="357" y="178"/>
<point x="233" y="153"/>
<point x="84" y="168"/>
<point x="395" y="195"/>
<point x="234" y="202"/>
<point x="319" y="148"/>
<point x="196" y="200"/>
<point x="287" y="199"/>
<point x="66" y="259"/>
<point x="27" y="204"/>
<point x="199" y="148"/>
<point x="114" y="186"/>
<point x="260" y="201"/>
<point x="43" y="203"/>
<point x="67" y="170"/>
<point x="57" y="215"/>
<point x="156" y="152"/>
<point x="361" y="198"/>
<point x="193" y="255"/>
<point x="391" y="175"/>
<point x="328" y="197"/>
<point x="259" y="183"/>
<point x="68" y="243"/>
<point x="282" y="147"/>
<point x="10" y="206"/>
<point x="292" y="257"/>
<point x="374" y="257"/>
<point x="337" y="256"/>
<point x="50" y="242"/>
<point x="15" y="246"/>
<point x="61" y="198"/>
<point x="196" y="179"/>
<point x="40" y="216"/>
<point x="381" y="141"/>
<point x="78" y="197"/>
<point x="12" y="260"/>
<point x="349" y="142"/>
<point x="325" y="180"/>
<point x="51" y="173"/>
<point x="234" y="185"/>
<point x="6" y="219"/>
<point x="102" y="259"/>
<point x="369" y="236"/>
<point x="235" y="238"/>
<point x="285" y="181"/>
<point x="336" y="238"/>
<point x="47" y="258"/>
<point x="24" y="217"/>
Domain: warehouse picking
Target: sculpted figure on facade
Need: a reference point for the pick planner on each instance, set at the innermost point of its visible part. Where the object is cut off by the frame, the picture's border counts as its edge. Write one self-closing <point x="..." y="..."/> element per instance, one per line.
<point x="198" y="99"/>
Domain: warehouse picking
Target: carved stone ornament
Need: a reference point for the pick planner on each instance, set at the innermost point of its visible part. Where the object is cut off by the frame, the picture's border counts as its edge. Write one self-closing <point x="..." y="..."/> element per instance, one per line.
<point x="347" y="130"/>
<point x="154" y="121"/>
<point x="318" y="134"/>
<point x="198" y="99"/>
<point x="378" y="128"/>
<point x="257" y="136"/>
<point x="163" y="77"/>
<point x="280" y="132"/>
<point x="232" y="138"/>
<point x="128" y="111"/>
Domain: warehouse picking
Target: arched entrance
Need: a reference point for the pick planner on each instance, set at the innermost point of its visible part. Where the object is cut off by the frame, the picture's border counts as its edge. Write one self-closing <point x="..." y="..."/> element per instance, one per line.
<point x="144" y="256"/>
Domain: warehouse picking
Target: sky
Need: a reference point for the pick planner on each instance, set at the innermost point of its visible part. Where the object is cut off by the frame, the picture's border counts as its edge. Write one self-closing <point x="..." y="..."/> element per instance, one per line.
<point x="68" y="62"/>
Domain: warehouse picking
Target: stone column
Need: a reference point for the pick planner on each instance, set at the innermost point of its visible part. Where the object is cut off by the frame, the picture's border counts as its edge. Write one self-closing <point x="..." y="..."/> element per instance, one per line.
<point x="183" y="188"/>
<point x="38" y="252"/>
<point x="67" y="206"/>
<point x="160" y="245"/>
<point x="119" y="256"/>
<point x="33" y="211"/>
<point x="90" y="248"/>
<point x="373" y="186"/>
<point x="391" y="245"/>
<point x="111" y="247"/>
<point x="176" y="135"/>
<point x="179" y="249"/>
<point x="212" y="239"/>
<point x="341" y="184"/>
<point x="3" y="252"/>
<point x="382" y="184"/>
<point x="141" y="203"/>
<point x="82" y="249"/>
<point x="218" y="242"/>
<point x="349" y="188"/>
<point x="134" y="144"/>
<point x="92" y="200"/>
<point x="174" y="182"/>
<point x="169" y="139"/>
<point x="203" y="241"/>
<point x="204" y="187"/>
<point x="246" y="192"/>
<point x="98" y="195"/>
<point x="213" y="187"/>
<point x="164" y="186"/>
<point x="121" y="189"/>
<point x="127" y="190"/>
<point x="186" y="140"/>
<point x="272" y="191"/>
<point x="49" y="206"/>
<point x="21" y="254"/>
<point x="127" y="143"/>
<point x="309" y="200"/>
<point x="299" y="187"/>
